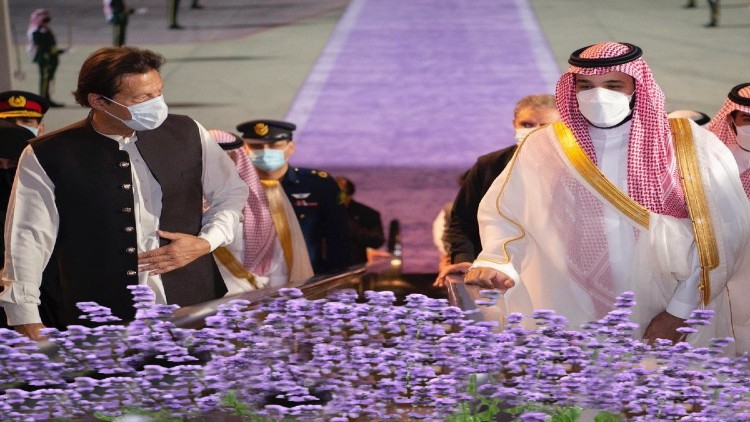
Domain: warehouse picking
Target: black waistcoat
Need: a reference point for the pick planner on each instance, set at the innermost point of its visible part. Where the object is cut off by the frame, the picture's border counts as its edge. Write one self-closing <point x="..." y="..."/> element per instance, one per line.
<point x="95" y="252"/>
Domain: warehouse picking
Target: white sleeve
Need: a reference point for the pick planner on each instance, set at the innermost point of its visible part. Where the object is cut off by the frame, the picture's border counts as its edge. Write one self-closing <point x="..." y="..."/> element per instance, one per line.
<point x="30" y="233"/>
<point x="225" y="193"/>
<point x="438" y="228"/>
<point x="687" y="296"/>
<point x="495" y="231"/>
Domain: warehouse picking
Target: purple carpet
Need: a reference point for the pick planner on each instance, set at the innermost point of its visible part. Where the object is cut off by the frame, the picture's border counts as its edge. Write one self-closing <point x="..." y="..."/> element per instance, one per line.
<point x="407" y="94"/>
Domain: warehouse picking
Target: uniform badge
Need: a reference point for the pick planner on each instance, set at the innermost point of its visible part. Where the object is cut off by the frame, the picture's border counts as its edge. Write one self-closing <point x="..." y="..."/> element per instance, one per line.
<point x="18" y="101"/>
<point x="261" y="129"/>
<point x="301" y="200"/>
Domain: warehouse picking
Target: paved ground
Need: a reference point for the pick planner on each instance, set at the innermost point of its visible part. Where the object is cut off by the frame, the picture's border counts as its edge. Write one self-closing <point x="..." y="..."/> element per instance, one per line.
<point x="235" y="59"/>
<point x="249" y="57"/>
<point x="695" y="66"/>
<point x="241" y="59"/>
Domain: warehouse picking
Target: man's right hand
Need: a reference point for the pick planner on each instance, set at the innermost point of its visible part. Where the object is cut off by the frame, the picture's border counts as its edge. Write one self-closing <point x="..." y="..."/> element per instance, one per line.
<point x="32" y="331"/>
<point x="488" y="278"/>
<point x="442" y="278"/>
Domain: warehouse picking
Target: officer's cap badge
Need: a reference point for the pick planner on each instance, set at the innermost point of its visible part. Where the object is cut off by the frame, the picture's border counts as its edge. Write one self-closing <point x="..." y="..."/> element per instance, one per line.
<point x="261" y="129"/>
<point x="17" y="101"/>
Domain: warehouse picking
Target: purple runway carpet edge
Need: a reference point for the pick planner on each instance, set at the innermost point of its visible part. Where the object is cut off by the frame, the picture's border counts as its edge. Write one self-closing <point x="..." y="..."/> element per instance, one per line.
<point x="406" y="95"/>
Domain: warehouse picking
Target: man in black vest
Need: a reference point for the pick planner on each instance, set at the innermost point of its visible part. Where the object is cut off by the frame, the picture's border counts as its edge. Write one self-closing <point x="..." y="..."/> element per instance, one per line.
<point x="117" y="200"/>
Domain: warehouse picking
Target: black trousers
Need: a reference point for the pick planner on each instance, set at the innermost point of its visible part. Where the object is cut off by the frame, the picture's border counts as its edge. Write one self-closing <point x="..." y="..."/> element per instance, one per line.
<point x="47" y="68"/>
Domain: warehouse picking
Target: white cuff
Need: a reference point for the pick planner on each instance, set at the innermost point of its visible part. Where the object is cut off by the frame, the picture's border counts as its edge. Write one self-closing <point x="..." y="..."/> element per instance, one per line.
<point x="214" y="237"/>
<point x="686" y="298"/>
<point x="24" y="313"/>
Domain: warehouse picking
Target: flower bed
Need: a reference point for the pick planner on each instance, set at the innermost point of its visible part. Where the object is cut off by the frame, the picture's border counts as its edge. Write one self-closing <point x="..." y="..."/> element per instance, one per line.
<point x="341" y="360"/>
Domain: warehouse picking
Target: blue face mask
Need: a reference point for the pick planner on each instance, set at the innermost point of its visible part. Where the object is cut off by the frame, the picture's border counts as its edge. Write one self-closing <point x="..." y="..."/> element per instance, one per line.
<point x="268" y="160"/>
<point x="34" y="130"/>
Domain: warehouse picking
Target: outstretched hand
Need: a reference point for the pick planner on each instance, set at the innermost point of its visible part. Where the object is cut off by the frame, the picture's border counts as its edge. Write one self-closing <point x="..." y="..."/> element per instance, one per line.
<point x="182" y="250"/>
<point x="488" y="278"/>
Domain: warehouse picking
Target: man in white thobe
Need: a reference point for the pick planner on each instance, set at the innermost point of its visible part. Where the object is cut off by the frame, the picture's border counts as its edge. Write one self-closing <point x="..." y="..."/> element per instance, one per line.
<point x="614" y="198"/>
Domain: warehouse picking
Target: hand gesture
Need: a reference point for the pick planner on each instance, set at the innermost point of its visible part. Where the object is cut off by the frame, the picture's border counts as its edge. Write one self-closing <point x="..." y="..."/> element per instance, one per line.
<point x="488" y="278"/>
<point x="183" y="250"/>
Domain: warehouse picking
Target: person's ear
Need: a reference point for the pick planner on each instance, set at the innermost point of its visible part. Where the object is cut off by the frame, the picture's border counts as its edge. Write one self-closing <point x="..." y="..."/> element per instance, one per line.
<point x="96" y="101"/>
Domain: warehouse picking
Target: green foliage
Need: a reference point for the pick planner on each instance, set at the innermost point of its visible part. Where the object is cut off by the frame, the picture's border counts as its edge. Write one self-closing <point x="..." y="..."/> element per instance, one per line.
<point x="237" y="406"/>
<point x="607" y="417"/>
<point x="483" y="409"/>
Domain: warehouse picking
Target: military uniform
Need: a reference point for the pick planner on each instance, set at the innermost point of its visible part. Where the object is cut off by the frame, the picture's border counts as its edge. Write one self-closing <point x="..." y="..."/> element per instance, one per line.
<point x="118" y="14"/>
<point x="322" y="216"/>
<point x="46" y="56"/>
<point x="14" y="105"/>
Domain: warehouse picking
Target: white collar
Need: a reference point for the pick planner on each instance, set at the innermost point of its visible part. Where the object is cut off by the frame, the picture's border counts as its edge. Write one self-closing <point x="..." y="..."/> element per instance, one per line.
<point x="610" y="133"/>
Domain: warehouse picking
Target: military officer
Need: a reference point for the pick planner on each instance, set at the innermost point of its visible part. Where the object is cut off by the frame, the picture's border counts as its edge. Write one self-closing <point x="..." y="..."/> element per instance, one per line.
<point x="315" y="196"/>
<point x="45" y="51"/>
<point x="25" y="109"/>
<point x="21" y="114"/>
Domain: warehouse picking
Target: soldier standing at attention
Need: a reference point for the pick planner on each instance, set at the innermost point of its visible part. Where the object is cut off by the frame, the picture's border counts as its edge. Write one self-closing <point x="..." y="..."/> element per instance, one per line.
<point x="43" y="46"/>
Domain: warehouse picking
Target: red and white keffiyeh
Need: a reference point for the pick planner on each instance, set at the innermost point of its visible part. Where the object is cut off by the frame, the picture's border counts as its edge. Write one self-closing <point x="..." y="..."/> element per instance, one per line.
<point x="259" y="233"/>
<point x="36" y="20"/>
<point x="653" y="178"/>
<point x="723" y="127"/>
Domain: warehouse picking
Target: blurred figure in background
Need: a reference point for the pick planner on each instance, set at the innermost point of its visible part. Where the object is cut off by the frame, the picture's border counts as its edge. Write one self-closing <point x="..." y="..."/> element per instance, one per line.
<point x="44" y="51"/>
<point x="117" y="14"/>
<point x="173" y="7"/>
<point x="713" y="5"/>
<point x="365" y="225"/>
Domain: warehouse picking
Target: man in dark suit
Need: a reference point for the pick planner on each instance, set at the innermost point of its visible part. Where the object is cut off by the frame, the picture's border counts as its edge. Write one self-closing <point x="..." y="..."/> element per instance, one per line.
<point x="364" y="222"/>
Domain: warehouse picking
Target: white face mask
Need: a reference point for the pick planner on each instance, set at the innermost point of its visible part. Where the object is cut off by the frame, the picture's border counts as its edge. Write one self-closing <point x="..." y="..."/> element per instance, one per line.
<point x="743" y="137"/>
<point x="522" y="132"/>
<point x="603" y="107"/>
<point x="147" y="115"/>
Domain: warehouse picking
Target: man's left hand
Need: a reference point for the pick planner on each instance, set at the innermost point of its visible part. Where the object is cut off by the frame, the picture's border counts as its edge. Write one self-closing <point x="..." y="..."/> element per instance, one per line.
<point x="664" y="326"/>
<point x="183" y="250"/>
